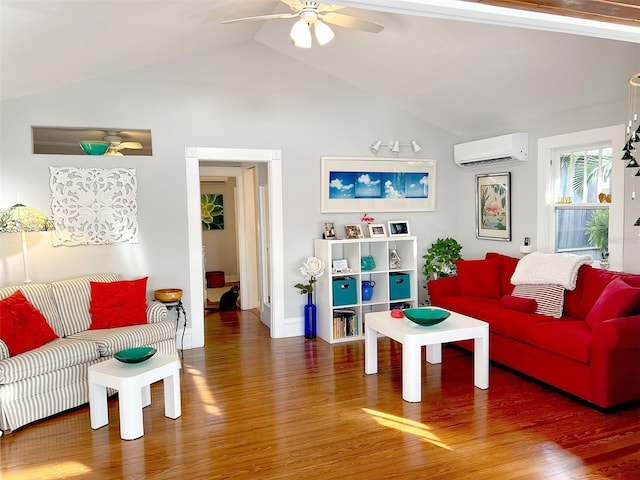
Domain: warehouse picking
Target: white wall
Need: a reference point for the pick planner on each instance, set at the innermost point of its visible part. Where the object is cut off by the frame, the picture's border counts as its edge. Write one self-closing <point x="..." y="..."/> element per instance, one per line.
<point x="216" y="100"/>
<point x="245" y="97"/>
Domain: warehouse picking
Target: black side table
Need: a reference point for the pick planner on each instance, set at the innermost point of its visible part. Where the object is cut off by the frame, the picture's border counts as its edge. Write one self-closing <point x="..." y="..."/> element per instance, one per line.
<point x="180" y="311"/>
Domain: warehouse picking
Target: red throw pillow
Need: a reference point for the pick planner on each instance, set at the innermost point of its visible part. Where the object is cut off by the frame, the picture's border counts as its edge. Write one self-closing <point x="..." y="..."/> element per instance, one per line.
<point x="520" y="304"/>
<point x="618" y="299"/>
<point x="478" y="278"/>
<point x="22" y="326"/>
<point x="118" y="304"/>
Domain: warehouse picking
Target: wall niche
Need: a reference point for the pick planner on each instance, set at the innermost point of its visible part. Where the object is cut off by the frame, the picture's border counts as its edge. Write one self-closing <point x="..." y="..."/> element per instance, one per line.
<point x="65" y="140"/>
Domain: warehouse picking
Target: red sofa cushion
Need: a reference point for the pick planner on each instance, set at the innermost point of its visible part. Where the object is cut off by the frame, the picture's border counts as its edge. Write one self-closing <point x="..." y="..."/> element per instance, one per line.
<point x="569" y="338"/>
<point x="22" y="326"/>
<point x="118" y="304"/>
<point x="618" y="299"/>
<point x="520" y="304"/>
<point x="506" y="266"/>
<point x="595" y="279"/>
<point x="478" y="278"/>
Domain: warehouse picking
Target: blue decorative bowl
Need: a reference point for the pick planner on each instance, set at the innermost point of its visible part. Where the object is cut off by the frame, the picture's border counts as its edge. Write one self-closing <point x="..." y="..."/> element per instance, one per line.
<point x="426" y="316"/>
<point x="135" y="355"/>
<point x="94" y="147"/>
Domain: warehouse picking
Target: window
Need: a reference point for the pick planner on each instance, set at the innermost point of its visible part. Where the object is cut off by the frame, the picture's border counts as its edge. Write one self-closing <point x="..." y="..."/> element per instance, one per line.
<point x="582" y="192"/>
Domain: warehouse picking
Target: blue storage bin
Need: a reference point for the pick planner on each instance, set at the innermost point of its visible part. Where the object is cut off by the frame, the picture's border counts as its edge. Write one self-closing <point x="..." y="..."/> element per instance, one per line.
<point x="344" y="291"/>
<point x="399" y="286"/>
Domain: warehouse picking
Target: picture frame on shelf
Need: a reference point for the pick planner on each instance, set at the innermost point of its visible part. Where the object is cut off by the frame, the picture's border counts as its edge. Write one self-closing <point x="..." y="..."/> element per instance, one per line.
<point x="341" y="265"/>
<point x="353" y="231"/>
<point x="493" y="206"/>
<point x="399" y="228"/>
<point x="377" y="230"/>
<point x="329" y="230"/>
<point x="360" y="184"/>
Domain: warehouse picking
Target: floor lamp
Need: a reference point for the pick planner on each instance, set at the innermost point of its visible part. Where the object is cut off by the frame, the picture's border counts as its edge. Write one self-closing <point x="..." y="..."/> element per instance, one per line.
<point x="22" y="219"/>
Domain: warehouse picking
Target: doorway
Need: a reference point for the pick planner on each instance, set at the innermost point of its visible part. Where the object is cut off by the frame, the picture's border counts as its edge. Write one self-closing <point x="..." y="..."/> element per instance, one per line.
<point x="272" y="305"/>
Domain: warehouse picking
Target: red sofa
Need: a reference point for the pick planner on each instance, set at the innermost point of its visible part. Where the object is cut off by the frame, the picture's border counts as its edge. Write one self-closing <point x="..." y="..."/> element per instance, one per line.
<point x="592" y="351"/>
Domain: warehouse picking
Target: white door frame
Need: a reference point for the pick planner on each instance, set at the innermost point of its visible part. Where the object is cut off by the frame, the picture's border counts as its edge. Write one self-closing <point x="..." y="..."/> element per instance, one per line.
<point x="272" y="158"/>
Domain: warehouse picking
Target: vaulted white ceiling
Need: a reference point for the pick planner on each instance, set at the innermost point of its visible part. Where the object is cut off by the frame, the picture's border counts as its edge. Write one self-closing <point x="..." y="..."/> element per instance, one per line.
<point x="455" y="64"/>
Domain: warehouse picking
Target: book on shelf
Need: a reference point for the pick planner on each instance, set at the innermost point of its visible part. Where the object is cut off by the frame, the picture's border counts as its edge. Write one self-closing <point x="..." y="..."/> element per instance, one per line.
<point x="345" y="323"/>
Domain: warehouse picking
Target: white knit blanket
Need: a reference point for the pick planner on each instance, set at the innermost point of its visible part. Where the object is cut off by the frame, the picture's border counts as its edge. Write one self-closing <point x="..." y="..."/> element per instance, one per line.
<point x="543" y="268"/>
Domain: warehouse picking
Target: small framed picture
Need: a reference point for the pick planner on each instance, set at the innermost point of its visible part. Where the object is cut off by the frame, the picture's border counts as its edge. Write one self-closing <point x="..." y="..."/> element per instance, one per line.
<point x="341" y="265"/>
<point x="329" y="230"/>
<point x="353" y="231"/>
<point x="398" y="228"/>
<point x="377" y="230"/>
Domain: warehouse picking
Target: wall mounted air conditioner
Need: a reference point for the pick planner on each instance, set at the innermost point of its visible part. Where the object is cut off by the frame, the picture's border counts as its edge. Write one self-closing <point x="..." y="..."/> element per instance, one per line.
<point x="496" y="150"/>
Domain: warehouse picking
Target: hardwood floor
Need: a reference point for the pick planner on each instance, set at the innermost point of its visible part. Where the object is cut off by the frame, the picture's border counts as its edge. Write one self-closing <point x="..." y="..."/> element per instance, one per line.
<point x="261" y="408"/>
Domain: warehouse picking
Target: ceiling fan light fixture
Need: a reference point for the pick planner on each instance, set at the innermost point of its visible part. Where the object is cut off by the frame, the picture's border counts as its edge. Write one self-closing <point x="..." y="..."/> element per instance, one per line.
<point x="324" y="34"/>
<point x="301" y="34"/>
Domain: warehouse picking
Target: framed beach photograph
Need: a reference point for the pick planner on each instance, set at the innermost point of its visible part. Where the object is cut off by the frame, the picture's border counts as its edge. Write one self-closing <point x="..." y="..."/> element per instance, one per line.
<point x="398" y="228"/>
<point x="493" y="206"/>
<point x="377" y="230"/>
<point x="353" y="231"/>
<point x="363" y="184"/>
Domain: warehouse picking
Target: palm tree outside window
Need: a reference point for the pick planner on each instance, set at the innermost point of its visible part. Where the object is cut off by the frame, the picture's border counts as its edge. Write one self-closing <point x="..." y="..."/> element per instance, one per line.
<point x="583" y="193"/>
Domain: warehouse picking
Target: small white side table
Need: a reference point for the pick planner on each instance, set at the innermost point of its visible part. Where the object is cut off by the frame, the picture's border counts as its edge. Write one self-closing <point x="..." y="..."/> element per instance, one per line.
<point x="133" y="382"/>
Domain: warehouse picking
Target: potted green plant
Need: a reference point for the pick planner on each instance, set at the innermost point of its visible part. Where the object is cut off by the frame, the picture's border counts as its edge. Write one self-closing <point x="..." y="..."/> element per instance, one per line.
<point x="440" y="260"/>
<point x="597" y="232"/>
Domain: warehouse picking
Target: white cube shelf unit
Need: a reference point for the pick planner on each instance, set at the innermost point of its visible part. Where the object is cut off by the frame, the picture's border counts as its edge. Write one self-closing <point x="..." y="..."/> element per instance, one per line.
<point x="341" y="317"/>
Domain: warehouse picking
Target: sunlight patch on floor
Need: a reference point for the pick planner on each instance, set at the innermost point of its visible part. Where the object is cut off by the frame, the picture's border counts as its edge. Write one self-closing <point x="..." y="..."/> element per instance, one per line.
<point x="408" y="426"/>
<point x="55" y="470"/>
<point x="204" y="391"/>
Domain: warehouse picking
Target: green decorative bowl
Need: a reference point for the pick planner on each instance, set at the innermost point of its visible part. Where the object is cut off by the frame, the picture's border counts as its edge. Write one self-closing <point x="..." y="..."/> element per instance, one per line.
<point x="92" y="147"/>
<point x="426" y="316"/>
<point x="135" y="355"/>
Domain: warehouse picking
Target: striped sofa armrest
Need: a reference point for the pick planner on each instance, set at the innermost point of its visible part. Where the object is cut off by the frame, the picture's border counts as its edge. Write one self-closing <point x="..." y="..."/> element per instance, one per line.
<point x="156" y="312"/>
<point x="4" y="350"/>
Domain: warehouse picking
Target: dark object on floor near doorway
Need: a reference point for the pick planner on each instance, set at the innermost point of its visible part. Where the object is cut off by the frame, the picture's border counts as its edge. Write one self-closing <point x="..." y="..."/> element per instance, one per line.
<point x="215" y="279"/>
<point x="229" y="299"/>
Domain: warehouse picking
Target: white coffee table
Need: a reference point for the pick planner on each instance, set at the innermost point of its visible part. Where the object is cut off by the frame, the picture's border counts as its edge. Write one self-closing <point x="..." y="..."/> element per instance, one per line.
<point x="133" y="381"/>
<point x="413" y="337"/>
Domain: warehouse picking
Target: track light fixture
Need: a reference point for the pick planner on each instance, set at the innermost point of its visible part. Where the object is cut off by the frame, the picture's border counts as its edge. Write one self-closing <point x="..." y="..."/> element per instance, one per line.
<point x="394" y="146"/>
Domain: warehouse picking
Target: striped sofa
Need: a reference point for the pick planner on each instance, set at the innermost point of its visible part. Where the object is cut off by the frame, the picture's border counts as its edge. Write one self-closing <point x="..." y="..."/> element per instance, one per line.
<point x="53" y="378"/>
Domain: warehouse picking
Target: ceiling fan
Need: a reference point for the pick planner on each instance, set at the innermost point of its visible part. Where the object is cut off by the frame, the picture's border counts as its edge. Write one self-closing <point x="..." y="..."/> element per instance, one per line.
<point x="316" y="14"/>
<point x="116" y="144"/>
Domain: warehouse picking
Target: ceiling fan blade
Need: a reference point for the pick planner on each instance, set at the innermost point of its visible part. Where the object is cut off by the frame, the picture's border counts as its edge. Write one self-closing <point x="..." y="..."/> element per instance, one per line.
<point x="295" y="5"/>
<point x="348" y="21"/>
<point x="323" y="7"/>
<point x="262" y="17"/>
<point x="130" y="145"/>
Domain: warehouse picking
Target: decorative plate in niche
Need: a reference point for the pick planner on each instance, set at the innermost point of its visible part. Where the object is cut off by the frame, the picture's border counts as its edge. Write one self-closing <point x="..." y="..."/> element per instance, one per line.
<point x="93" y="206"/>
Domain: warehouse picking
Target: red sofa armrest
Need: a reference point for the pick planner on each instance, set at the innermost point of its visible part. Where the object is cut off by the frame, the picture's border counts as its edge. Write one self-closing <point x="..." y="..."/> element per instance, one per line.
<point x="615" y="361"/>
<point x="442" y="287"/>
<point x="623" y="332"/>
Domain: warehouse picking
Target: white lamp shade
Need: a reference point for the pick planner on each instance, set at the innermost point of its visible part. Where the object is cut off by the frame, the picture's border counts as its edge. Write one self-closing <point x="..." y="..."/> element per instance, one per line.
<point x="324" y="34"/>
<point x="416" y="147"/>
<point x="301" y="34"/>
<point x="395" y="146"/>
<point x="376" y="146"/>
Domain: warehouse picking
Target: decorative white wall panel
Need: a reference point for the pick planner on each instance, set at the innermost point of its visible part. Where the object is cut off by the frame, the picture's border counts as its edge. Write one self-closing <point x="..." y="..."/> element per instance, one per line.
<point x="93" y="206"/>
